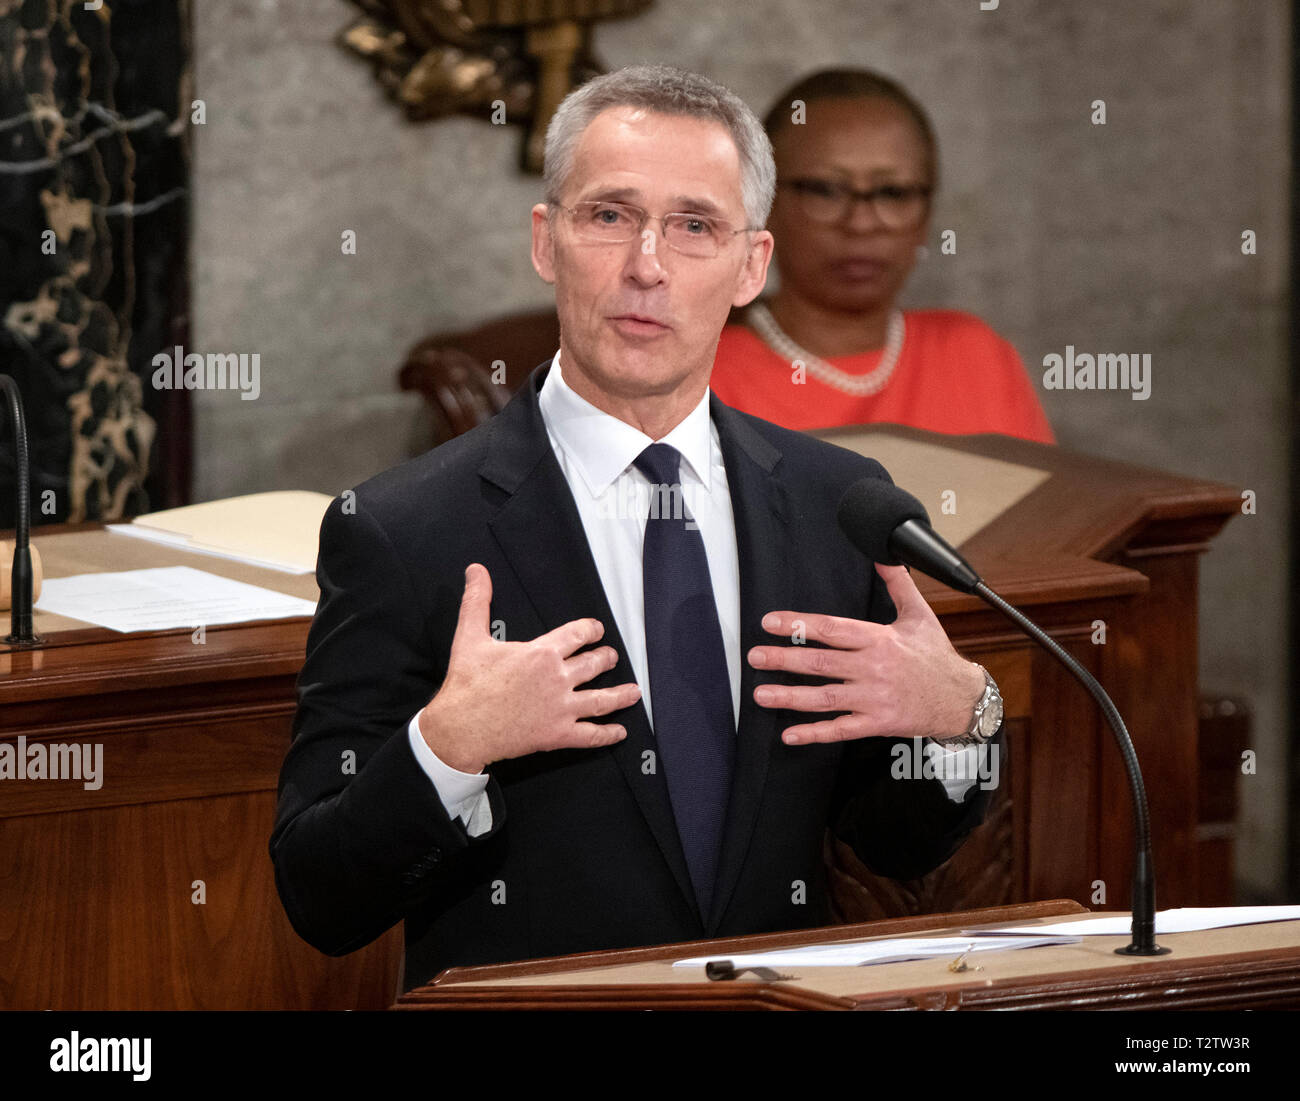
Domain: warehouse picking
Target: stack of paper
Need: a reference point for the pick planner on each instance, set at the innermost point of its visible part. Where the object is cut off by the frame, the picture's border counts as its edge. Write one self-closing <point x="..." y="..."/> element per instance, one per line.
<point x="1184" y="919"/>
<point x="859" y="952"/>
<point x="276" y="530"/>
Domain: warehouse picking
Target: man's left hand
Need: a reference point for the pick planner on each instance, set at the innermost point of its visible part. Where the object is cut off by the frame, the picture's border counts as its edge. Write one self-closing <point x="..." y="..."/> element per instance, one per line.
<point x="897" y="680"/>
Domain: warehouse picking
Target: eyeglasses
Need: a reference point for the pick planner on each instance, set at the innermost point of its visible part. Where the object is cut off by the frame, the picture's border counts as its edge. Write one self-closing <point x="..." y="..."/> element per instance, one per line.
<point x="609" y="223"/>
<point x="898" y="206"/>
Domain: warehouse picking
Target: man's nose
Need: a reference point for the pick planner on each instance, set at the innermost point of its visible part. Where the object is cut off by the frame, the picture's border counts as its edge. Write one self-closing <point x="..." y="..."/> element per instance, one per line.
<point x="645" y="255"/>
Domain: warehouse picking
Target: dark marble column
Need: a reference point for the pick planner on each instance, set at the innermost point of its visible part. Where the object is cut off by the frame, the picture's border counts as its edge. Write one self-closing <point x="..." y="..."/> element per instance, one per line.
<point x="95" y="116"/>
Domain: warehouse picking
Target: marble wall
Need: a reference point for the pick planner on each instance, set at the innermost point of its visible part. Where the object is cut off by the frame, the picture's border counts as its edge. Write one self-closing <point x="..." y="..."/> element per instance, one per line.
<point x="94" y="126"/>
<point x="1122" y="236"/>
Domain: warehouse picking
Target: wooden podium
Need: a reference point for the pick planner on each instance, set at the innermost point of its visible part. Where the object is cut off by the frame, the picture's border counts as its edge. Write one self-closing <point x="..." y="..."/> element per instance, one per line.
<point x="1097" y="550"/>
<point x="1241" y="967"/>
<point x="98" y="888"/>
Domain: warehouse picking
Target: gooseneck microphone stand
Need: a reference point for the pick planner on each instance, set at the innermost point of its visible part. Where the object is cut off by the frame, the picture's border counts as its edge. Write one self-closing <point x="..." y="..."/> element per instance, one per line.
<point x="1144" y="884"/>
<point x="891" y="526"/>
<point x="20" y="621"/>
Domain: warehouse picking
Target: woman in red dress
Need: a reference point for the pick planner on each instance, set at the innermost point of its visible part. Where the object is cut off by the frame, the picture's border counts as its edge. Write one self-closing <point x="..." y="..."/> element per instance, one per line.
<point x="852" y="210"/>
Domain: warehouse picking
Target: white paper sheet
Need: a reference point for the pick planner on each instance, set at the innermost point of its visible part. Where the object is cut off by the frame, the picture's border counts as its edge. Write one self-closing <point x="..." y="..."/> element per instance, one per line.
<point x="1186" y="919"/>
<point x="164" y="598"/>
<point x="859" y="953"/>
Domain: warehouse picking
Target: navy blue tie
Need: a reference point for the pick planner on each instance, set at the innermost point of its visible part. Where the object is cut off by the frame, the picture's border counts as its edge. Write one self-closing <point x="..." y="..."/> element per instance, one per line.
<point x="690" y="689"/>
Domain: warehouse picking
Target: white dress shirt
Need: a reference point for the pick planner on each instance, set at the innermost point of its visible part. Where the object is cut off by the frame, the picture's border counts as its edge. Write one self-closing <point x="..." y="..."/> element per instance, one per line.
<point x="595" y="452"/>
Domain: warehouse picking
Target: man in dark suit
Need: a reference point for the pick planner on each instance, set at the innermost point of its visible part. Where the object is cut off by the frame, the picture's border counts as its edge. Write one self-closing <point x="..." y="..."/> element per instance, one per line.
<point x="463" y="760"/>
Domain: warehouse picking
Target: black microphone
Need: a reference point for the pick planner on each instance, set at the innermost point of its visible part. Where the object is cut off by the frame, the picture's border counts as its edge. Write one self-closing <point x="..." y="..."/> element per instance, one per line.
<point x="890" y="526"/>
<point x="20" y="620"/>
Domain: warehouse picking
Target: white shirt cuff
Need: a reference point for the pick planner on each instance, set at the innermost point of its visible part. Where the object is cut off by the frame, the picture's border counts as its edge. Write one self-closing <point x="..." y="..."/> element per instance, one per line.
<point x="959" y="768"/>
<point x="463" y="794"/>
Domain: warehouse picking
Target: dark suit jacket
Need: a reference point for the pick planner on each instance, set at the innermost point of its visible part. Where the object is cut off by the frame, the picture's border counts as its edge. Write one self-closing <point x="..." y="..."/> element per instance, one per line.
<point x="583" y="853"/>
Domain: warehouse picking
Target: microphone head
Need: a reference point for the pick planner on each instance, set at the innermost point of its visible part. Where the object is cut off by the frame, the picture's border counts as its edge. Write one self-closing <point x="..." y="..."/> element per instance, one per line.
<point x="869" y="513"/>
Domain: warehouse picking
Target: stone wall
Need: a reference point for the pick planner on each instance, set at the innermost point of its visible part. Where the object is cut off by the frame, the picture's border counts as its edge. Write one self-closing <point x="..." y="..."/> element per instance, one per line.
<point x="1125" y="236"/>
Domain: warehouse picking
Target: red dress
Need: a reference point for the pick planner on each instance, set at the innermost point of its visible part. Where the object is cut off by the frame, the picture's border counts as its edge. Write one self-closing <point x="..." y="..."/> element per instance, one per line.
<point x="954" y="375"/>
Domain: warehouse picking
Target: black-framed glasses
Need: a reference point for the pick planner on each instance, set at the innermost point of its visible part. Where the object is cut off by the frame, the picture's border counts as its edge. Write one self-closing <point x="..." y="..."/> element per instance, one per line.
<point x="898" y="206"/>
<point x="603" y="222"/>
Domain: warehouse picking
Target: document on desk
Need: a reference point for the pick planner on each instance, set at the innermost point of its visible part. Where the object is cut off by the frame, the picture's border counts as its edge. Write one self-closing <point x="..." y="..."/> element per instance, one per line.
<point x="163" y="599"/>
<point x="1186" y="919"/>
<point x="860" y="953"/>
<point x="277" y="530"/>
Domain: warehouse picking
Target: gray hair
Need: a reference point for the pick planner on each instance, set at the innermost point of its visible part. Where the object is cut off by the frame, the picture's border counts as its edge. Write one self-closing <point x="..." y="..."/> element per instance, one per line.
<point x="668" y="91"/>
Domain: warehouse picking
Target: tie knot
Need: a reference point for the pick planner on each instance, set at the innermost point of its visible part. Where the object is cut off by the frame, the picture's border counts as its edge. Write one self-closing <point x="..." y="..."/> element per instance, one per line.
<point x="661" y="463"/>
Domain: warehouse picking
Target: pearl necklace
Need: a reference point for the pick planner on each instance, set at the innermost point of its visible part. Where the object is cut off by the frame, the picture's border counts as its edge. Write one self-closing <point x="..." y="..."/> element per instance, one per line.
<point x="761" y="320"/>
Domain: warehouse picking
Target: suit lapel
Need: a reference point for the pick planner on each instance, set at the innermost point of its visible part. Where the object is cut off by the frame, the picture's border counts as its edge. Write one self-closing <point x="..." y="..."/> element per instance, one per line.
<point x="538" y="529"/>
<point x="761" y="512"/>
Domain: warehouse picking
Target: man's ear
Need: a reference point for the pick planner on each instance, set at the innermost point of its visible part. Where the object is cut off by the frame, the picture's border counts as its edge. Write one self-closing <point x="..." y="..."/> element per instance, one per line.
<point x="543" y="244"/>
<point x="753" y="276"/>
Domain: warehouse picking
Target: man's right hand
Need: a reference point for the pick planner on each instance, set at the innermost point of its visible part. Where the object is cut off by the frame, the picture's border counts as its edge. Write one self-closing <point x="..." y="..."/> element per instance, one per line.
<point x="508" y="699"/>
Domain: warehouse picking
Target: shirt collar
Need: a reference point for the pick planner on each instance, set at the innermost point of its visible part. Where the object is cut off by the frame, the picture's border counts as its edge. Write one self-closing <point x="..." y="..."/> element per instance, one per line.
<point x="602" y="447"/>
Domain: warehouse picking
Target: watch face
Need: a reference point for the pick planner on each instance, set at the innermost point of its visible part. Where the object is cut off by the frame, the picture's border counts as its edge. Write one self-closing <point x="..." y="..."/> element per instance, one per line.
<point x="991" y="719"/>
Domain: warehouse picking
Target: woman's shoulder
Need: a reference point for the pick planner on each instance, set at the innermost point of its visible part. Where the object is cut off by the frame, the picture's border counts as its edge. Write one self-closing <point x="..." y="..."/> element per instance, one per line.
<point x="952" y="325"/>
<point x="958" y="335"/>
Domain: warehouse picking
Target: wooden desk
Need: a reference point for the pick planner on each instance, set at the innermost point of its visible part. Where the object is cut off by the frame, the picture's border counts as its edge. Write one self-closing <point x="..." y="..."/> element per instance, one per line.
<point x="96" y="886"/>
<point x="1244" y="967"/>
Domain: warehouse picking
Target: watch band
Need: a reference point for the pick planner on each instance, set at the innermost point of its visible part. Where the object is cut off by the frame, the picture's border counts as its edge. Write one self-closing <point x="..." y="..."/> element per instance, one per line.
<point x="990" y="699"/>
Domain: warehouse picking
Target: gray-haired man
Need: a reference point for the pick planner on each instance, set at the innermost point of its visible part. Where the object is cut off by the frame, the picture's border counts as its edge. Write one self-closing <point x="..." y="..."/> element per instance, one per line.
<point x="646" y="756"/>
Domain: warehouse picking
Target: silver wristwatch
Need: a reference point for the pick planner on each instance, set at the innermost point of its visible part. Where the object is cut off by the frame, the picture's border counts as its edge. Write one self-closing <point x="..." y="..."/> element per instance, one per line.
<point x="987" y="719"/>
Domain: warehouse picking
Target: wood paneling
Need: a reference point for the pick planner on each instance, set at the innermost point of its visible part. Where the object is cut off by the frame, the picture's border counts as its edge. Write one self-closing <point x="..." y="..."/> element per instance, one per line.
<point x="118" y="927"/>
<point x="98" y="887"/>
